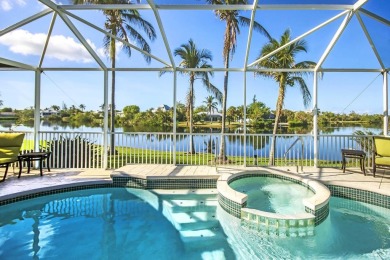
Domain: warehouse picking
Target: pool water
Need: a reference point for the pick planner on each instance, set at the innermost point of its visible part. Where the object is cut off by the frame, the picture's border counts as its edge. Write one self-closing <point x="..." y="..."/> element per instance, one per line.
<point x="273" y="194"/>
<point x="118" y="223"/>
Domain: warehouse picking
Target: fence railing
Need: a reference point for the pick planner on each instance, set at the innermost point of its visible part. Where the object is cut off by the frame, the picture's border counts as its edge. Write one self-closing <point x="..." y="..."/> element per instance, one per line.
<point x="85" y="149"/>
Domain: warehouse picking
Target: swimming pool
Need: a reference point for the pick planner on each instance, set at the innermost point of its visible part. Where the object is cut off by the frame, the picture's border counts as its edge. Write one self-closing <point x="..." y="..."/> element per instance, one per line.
<point x="120" y="223"/>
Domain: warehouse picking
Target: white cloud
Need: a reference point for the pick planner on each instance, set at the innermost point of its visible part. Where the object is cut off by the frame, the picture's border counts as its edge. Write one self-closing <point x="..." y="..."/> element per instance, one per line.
<point x="7" y="5"/>
<point x="21" y="2"/>
<point x="60" y="47"/>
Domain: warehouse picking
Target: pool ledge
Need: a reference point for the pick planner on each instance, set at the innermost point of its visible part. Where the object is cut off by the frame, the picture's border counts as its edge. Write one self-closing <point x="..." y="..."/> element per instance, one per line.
<point x="52" y="189"/>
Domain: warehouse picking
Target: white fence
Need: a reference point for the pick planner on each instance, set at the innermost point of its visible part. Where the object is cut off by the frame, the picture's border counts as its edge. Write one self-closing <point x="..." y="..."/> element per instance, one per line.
<point x="85" y="149"/>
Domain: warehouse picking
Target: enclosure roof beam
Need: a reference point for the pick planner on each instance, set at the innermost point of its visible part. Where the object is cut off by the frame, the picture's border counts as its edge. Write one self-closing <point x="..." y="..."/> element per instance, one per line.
<point x="16" y="64"/>
<point x="370" y="40"/>
<point x="53" y="20"/>
<point x="298" y="38"/>
<point x="335" y="38"/>
<point x="359" y="4"/>
<point x="162" y="31"/>
<point x="248" y="44"/>
<point x="76" y="32"/>
<point x="25" y="21"/>
<point x="374" y="16"/>
<point x="247" y="7"/>
<point x="116" y="38"/>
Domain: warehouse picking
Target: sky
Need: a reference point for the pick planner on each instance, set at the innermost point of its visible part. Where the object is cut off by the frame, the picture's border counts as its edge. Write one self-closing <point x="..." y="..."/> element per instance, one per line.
<point x="337" y="92"/>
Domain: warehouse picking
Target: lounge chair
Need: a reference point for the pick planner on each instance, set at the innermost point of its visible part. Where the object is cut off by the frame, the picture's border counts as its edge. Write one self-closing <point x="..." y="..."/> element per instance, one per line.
<point x="10" y="144"/>
<point x="381" y="152"/>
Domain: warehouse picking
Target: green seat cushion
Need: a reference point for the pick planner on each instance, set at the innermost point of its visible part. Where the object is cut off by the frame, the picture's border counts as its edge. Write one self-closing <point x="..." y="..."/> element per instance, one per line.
<point x="10" y="144"/>
<point x="7" y="160"/>
<point x="382" y="160"/>
<point x="382" y="146"/>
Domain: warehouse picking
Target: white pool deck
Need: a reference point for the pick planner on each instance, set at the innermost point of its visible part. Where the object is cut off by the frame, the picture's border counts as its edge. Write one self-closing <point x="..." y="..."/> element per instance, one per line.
<point x="57" y="178"/>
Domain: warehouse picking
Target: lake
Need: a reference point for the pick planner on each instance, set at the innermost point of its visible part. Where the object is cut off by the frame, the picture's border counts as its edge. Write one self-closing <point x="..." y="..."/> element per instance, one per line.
<point x="47" y="126"/>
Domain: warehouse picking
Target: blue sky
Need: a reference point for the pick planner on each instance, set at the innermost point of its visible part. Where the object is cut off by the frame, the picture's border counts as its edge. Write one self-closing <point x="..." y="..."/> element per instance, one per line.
<point x="338" y="92"/>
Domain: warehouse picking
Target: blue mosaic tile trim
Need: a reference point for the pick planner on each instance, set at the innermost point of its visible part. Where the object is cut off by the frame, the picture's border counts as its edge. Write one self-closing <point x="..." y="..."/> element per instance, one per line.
<point x="360" y="195"/>
<point x="54" y="191"/>
<point x="181" y="183"/>
<point x="231" y="207"/>
<point x="165" y="183"/>
<point x="129" y="182"/>
<point x="320" y="214"/>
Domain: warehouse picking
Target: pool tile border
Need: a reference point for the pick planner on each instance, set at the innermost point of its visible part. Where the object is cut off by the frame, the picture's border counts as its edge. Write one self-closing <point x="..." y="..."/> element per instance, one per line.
<point x="360" y="195"/>
<point x="157" y="182"/>
<point x="55" y="190"/>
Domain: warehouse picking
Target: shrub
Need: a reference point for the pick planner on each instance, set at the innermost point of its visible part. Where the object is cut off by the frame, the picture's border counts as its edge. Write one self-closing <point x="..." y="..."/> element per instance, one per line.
<point x="74" y="152"/>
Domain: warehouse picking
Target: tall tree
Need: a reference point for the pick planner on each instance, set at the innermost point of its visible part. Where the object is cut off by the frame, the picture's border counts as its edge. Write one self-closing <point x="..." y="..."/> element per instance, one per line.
<point x="122" y="23"/>
<point x="191" y="57"/>
<point x="285" y="58"/>
<point x="211" y="105"/>
<point x="82" y="107"/>
<point x="55" y="107"/>
<point x="233" y="21"/>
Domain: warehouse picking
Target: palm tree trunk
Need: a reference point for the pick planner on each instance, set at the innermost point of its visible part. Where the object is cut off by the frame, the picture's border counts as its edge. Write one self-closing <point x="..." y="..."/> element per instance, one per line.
<point x="222" y="155"/>
<point x="210" y="148"/>
<point x="112" y="111"/>
<point x="278" y="112"/>
<point x="192" y="147"/>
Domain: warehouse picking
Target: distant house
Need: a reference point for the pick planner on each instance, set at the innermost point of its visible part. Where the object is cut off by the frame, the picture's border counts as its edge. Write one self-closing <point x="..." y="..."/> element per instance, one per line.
<point x="213" y="116"/>
<point x="163" y="108"/>
<point x="48" y="112"/>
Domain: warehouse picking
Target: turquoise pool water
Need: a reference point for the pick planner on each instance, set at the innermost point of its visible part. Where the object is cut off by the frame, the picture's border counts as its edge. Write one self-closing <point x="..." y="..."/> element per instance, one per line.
<point x="117" y="223"/>
<point x="273" y="194"/>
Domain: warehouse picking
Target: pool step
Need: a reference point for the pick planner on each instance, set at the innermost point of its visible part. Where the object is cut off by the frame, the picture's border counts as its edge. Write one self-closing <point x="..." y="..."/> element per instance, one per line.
<point x="194" y="216"/>
<point x="187" y="197"/>
<point x="178" y="206"/>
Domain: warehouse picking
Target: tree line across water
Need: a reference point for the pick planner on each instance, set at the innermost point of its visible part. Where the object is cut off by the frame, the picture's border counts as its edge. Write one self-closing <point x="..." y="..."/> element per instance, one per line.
<point x="259" y="116"/>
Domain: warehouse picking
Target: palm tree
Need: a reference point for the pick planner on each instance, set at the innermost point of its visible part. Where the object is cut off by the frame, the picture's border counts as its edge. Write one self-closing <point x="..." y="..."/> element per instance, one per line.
<point x="82" y="107"/>
<point x="191" y="57"/>
<point x="233" y="21"/>
<point x="285" y="58"/>
<point x="210" y="105"/>
<point x="55" y="107"/>
<point x="122" y="23"/>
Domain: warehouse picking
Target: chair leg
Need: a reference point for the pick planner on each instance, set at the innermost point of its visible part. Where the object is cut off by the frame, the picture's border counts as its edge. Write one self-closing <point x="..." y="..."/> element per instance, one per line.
<point x="374" y="170"/>
<point x="6" y="171"/>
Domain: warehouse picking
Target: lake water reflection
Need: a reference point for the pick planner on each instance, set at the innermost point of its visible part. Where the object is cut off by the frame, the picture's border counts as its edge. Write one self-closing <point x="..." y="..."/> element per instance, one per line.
<point x="47" y="126"/>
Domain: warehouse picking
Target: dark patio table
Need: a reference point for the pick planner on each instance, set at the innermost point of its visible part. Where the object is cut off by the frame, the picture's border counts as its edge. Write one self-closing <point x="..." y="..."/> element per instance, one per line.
<point x="34" y="156"/>
<point x="355" y="154"/>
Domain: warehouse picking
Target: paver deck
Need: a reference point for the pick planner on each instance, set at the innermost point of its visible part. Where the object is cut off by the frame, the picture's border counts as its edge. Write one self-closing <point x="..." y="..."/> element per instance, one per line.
<point x="29" y="183"/>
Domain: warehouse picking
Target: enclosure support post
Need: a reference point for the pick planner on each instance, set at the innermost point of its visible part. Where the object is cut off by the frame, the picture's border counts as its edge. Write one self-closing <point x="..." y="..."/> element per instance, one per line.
<point x="315" y="118"/>
<point x="385" y="104"/>
<point x="174" y="116"/>
<point x="105" y="121"/>
<point x="37" y="109"/>
<point x="245" y="119"/>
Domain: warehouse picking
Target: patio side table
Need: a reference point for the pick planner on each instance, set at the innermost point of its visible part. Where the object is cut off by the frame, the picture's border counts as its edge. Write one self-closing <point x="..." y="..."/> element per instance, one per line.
<point x="355" y="154"/>
<point x="31" y="157"/>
